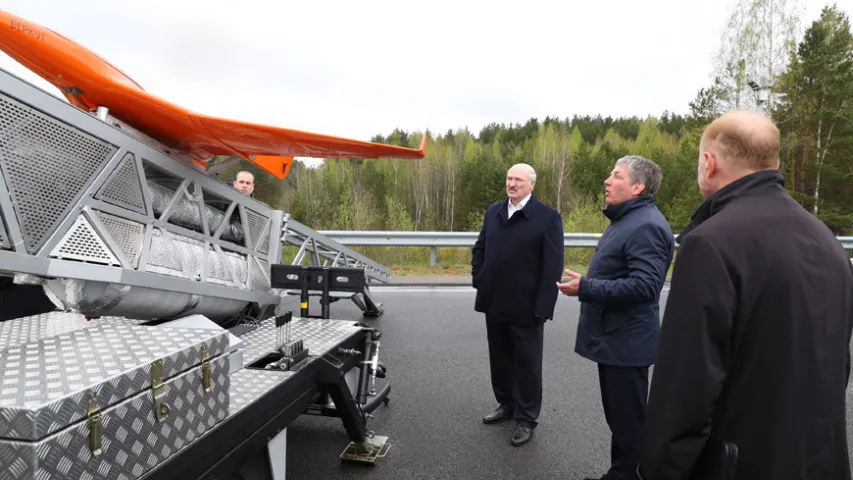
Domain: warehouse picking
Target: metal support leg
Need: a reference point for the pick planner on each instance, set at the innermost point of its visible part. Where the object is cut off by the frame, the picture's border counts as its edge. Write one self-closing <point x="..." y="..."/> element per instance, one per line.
<point x="371" y="307"/>
<point x="325" y="301"/>
<point x="365" y="447"/>
<point x="269" y="463"/>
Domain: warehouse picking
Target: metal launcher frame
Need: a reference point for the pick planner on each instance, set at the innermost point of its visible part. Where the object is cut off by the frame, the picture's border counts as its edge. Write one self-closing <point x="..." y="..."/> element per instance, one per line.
<point x="108" y="224"/>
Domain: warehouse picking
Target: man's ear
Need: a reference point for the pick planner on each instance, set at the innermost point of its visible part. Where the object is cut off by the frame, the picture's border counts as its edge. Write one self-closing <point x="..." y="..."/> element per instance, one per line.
<point x="637" y="188"/>
<point x="712" y="162"/>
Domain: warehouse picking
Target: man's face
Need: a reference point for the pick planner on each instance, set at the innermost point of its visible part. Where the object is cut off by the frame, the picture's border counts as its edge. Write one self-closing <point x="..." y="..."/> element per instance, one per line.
<point x="518" y="184"/>
<point x="618" y="187"/>
<point x="245" y="183"/>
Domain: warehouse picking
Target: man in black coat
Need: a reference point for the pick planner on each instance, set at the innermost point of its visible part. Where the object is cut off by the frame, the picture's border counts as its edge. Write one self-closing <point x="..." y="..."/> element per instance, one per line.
<point x="620" y="318"/>
<point x="516" y="260"/>
<point x="754" y="345"/>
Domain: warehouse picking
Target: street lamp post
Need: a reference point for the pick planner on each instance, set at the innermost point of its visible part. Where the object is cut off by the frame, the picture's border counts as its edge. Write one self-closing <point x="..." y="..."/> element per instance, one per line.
<point x="762" y="95"/>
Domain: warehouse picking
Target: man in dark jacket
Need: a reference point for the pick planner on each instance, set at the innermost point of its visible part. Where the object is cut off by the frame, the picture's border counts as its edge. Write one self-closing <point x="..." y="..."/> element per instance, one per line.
<point x="620" y="319"/>
<point x="516" y="260"/>
<point x="755" y="340"/>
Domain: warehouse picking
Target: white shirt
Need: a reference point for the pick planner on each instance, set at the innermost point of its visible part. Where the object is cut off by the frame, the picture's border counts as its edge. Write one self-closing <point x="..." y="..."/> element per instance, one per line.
<point x="513" y="208"/>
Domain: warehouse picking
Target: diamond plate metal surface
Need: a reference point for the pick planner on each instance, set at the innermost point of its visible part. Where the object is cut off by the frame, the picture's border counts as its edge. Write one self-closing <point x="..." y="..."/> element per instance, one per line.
<point x="319" y="335"/>
<point x="43" y="385"/>
<point x="133" y="440"/>
<point x="247" y="385"/>
<point x="19" y="331"/>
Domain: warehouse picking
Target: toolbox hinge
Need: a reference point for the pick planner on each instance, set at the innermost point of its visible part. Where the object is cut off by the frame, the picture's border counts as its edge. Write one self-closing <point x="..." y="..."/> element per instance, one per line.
<point x="95" y="427"/>
<point x="161" y="408"/>
<point x="205" y="369"/>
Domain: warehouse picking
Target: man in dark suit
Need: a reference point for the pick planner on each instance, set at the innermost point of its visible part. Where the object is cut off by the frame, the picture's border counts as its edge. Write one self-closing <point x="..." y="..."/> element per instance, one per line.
<point x="516" y="261"/>
<point x="620" y="319"/>
<point x="755" y="342"/>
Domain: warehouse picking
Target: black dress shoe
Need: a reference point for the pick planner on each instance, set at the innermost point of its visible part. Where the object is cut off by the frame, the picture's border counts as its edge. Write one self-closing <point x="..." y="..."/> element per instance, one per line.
<point x="501" y="414"/>
<point x="521" y="435"/>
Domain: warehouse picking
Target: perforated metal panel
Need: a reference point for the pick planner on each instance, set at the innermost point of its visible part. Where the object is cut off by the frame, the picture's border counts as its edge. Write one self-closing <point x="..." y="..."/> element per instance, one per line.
<point x="256" y="226"/>
<point x="126" y="233"/>
<point x="124" y="188"/>
<point x="259" y="274"/>
<point x="265" y="271"/>
<point x="265" y="240"/>
<point x="4" y="238"/>
<point x="81" y="242"/>
<point x="47" y="165"/>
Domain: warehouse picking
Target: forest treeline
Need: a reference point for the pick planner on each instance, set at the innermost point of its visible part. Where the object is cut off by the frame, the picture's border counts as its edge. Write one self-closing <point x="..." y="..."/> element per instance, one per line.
<point x="810" y="99"/>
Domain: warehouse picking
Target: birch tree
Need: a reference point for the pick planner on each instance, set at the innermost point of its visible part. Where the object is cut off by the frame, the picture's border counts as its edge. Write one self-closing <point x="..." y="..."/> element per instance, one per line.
<point x="756" y="45"/>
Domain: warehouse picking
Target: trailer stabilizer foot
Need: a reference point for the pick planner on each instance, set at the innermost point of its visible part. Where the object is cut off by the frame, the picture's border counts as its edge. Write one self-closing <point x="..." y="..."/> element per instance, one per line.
<point x="373" y="447"/>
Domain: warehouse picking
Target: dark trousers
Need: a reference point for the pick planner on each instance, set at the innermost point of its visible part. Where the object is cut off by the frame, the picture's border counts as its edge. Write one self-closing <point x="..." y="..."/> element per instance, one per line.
<point x="515" y="359"/>
<point x="624" y="391"/>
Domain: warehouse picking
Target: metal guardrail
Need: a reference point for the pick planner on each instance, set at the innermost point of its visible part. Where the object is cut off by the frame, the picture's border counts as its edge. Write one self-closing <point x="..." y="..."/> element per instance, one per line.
<point x="456" y="239"/>
<point x="435" y="239"/>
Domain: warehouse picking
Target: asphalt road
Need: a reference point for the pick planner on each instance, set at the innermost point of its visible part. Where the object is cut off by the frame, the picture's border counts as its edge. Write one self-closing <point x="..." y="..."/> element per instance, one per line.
<point x="434" y="346"/>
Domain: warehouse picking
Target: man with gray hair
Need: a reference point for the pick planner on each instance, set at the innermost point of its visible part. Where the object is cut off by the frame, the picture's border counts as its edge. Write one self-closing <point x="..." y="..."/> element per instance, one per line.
<point x="619" y="321"/>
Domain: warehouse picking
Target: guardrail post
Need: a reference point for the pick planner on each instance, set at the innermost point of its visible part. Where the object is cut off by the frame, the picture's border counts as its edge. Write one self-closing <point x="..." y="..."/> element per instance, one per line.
<point x="432" y="256"/>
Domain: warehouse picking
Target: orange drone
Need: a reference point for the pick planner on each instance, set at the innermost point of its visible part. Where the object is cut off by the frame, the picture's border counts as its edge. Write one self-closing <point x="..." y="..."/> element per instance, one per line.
<point x="89" y="82"/>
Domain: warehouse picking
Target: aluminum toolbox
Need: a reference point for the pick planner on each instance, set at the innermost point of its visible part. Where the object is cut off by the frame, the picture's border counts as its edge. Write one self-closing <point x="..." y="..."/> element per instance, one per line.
<point x="80" y="404"/>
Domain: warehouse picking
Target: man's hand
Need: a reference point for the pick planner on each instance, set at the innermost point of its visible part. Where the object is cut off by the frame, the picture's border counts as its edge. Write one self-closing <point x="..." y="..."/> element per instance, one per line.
<point x="571" y="287"/>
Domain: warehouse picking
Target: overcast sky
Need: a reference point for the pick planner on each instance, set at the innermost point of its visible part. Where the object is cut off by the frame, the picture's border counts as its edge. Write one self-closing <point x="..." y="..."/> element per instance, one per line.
<point x="358" y="68"/>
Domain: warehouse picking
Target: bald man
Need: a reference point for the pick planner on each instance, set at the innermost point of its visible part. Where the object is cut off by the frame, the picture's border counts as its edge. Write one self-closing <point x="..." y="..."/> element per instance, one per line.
<point x="754" y="347"/>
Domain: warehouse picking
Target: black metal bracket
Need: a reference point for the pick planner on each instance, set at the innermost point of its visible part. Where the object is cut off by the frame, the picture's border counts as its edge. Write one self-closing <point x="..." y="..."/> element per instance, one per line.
<point x="320" y="281"/>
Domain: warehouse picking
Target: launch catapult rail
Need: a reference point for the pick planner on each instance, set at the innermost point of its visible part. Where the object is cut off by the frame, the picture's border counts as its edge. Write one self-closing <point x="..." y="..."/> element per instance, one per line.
<point x="145" y="336"/>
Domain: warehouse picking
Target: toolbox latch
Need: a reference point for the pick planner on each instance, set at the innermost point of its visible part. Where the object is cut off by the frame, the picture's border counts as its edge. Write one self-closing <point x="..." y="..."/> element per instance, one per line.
<point x="95" y="430"/>
<point x="205" y="369"/>
<point x="161" y="408"/>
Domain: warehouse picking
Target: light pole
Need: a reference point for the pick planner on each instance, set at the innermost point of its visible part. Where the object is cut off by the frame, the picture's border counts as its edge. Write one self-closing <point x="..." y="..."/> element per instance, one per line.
<point x="762" y="95"/>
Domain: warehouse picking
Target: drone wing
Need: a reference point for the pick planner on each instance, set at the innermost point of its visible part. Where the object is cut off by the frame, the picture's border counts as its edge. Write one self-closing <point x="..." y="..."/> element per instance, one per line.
<point x="273" y="148"/>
